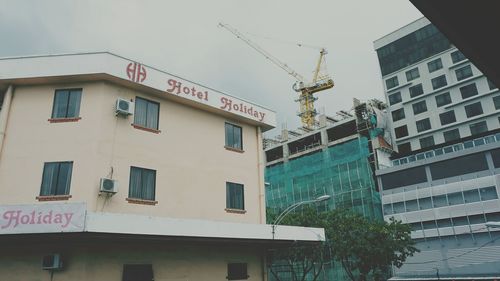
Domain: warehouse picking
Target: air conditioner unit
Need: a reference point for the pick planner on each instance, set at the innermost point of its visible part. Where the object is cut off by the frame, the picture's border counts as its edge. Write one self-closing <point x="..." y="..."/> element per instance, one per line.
<point x="124" y="107"/>
<point x="52" y="262"/>
<point x="109" y="186"/>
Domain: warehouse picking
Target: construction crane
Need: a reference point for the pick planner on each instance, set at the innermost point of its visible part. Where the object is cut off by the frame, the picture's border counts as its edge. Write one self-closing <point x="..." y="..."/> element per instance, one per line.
<point x="320" y="81"/>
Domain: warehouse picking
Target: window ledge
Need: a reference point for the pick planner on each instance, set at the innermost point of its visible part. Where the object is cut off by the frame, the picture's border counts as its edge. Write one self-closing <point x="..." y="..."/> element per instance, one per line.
<point x="235" y="211"/>
<point x="141" y="201"/>
<point x="52" y="197"/>
<point x="234" y="149"/>
<point x="139" y="127"/>
<point x="63" y="120"/>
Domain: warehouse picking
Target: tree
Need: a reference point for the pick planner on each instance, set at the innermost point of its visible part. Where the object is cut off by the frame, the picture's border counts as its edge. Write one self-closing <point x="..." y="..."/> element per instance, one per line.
<point x="366" y="247"/>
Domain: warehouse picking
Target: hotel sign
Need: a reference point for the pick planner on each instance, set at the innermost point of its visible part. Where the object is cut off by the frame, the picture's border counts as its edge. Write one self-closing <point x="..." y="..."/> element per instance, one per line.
<point x="42" y="218"/>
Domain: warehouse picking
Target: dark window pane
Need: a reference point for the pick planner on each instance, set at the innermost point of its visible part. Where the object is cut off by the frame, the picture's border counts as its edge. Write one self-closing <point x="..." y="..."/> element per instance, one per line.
<point x="237" y="271"/>
<point x="468" y="91"/>
<point x="478" y="128"/>
<point x="471" y="196"/>
<point x="137" y="272"/>
<point x="488" y="193"/>
<point x="411" y="205"/>
<point x="426" y="142"/>
<point x="425" y="203"/>
<point x="398" y="114"/>
<point x="458" y="166"/>
<point x="444" y="223"/>
<point x="493" y="217"/>
<point x="66" y="103"/>
<point x="443" y="99"/>
<point x="496" y="102"/>
<point x="439" y="82"/>
<point x="419" y="107"/>
<point x="457" y="56"/>
<point x="458" y="221"/>
<point x="455" y="198"/>
<point x="429" y="224"/>
<point x="477" y="219"/>
<point x="474" y="109"/>
<point x="495" y="154"/>
<point x="412" y="74"/>
<point x="74" y="103"/>
<point x="56" y="178"/>
<point x="146" y="113"/>
<point x="234" y="196"/>
<point x="439" y="201"/>
<point x="398" y="207"/>
<point x="451" y="135"/>
<point x="233" y="136"/>
<point x="395" y="98"/>
<point x="416" y="90"/>
<point x="392" y="82"/>
<point x="401" y="131"/>
<point x="491" y="85"/>
<point x="447" y="117"/>
<point x="404" y="178"/>
<point x="142" y="183"/>
<point x="423" y="125"/>
<point x="434" y="65"/>
<point x="464" y="72"/>
<point x="404" y="148"/>
<point x="388" y="209"/>
<point x="416" y="226"/>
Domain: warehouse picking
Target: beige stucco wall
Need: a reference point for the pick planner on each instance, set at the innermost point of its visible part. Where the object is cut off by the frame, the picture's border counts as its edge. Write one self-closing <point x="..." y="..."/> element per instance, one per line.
<point x="188" y="155"/>
<point x="104" y="259"/>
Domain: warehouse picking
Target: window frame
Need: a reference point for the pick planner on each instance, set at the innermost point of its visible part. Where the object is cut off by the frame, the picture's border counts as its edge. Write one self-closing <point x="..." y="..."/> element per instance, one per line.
<point x="423" y="141"/>
<point x="412" y="90"/>
<point x="464" y="72"/>
<point x="457" y="56"/>
<point x="423" y="121"/>
<point x="418" y="108"/>
<point x="473" y="127"/>
<point x="393" y="81"/>
<point x="471" y="110"/>
<point x="412" y="74"/>
<point x="496" y="102"/>
<point x="53" y="192"/>
<point x="437" y="82"/>
<point x="404" y="134"/>
<point x="70" y="91"/>
<point x="229" y="146"/>
<point x="438" y="63"/>
<point x="445" y="101"/>
<point x="146" y="126"/>
<point x="447" y="134"/>
<point x="230" y="203"/>
<point x="142" y="198"/>
<point x="394" y="101"/>
<point x="398" y="114"/>
<point x="446" y="117"/>
<point x="466" y="93"/>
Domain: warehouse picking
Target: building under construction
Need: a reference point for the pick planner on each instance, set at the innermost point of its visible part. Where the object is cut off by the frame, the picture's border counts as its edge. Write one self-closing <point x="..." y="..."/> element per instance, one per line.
<point x="338" y="158"/>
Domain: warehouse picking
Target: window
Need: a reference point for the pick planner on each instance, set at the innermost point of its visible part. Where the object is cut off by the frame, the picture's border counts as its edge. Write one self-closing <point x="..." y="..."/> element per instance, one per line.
<point x="468" y="91"/>
<point x="423" y="125"/>
<point x="411" y="205"/>
<point x="443" y="99"/>
<point x="146" y="113"/>
<point x="488" y="193"/>
<point x="496" y="102"/>
<point x="439" y="201"/>
<point x="401" y="131"/>
<point x="478" y="128"/>
<point x="416" y="90"/>
<point x="237" y="271"/>
<point x="458" y="166"/>
<point x="234" y="136"/>
<point x="491" y="85"/>
<point x="439" y="82"/>
<point x="399" y="207"/>
<point x="398" y="114"/>
<point x="395" y="98"/>
<point x="474" y="109"/>
<point x="476" y="219"/>
<point x="447" y="117"/>
<point x="66" y="103"/>
<point x="426" y="142"/>
<point x="404" y="178"/>
<point x="471" y="196"/>
<point x="419" y="107"/>
<point x="234" y="196"/>
<point x="463" y="72"/>
<point x="404" y="148"/>
<point x="457" y="56"/>
<point x="455" y="198"/>
<point x="425" y="203"/>
<point x="138" y="272"/>
<point x="444" y="223"/>
<point x="429" y="224"/>
<point x="388" y="209"/>
<point x="458" y="221"/>
<point x="142" y="184"/>
<point x="451" y="135"/>
<point x="416" y="226"/>
<point x="412" y="74"/>
<point x="392" y="82"/>
<point x="56" y="178"/>
<point x="435" y="65"/>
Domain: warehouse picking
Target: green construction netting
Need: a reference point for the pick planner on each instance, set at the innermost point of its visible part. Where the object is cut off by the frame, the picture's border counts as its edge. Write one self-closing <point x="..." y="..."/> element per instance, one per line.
<point x="341" y="171"/>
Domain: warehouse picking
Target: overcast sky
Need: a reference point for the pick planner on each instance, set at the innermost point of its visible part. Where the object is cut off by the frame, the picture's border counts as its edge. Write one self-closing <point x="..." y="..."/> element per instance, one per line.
<point x="182" y="37"/>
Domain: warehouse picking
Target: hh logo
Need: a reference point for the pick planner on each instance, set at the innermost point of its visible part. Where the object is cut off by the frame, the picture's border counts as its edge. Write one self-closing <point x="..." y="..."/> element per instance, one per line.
<point x="136" y="72"/>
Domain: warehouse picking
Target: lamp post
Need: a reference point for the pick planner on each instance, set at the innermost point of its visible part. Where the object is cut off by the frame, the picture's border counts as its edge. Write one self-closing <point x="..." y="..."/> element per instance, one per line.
<point x="292" y="207"/>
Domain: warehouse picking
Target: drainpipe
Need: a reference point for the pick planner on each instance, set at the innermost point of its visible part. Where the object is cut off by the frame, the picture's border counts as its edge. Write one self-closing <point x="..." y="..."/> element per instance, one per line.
<point x="4" y="114"/>
<point x="262" y="192"/>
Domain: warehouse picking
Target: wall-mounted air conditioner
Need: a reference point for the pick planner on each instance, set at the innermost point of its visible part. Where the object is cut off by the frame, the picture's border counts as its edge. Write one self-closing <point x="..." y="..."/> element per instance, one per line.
<point x="124" y="107"/>
<point x="52" y="262"/>
<point x="109" y="186"/>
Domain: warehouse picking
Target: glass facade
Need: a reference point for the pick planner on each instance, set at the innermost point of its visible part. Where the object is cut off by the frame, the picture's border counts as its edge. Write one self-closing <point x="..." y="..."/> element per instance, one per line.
<point x="411" y="49"/>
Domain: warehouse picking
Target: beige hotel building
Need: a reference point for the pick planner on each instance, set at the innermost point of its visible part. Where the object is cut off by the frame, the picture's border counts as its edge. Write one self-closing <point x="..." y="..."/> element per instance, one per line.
<point x="114" y="170"/>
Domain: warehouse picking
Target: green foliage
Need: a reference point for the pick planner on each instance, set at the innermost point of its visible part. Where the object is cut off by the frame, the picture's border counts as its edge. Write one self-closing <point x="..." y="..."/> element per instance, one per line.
<point x="364" y="248"/>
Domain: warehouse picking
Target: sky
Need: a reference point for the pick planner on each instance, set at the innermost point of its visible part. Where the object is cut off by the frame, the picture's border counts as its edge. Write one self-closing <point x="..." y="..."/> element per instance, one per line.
<point x="183" y="38"/>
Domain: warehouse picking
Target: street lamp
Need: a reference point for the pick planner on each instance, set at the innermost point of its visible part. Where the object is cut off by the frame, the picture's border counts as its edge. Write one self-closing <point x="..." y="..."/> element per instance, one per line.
<point x="293" y="207"/>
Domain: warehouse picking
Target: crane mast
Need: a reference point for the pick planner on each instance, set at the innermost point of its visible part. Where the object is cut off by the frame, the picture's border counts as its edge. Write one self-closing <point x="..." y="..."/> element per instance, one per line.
<point x="306" y="99"/>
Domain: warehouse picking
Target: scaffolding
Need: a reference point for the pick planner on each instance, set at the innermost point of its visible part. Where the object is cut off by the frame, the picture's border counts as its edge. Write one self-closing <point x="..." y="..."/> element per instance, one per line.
<point x="342" y="171"/>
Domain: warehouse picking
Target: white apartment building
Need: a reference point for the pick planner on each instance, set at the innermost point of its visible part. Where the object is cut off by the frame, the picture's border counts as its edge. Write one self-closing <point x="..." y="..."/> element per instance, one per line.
<point x="445" y="180"/>
<point x="114" y="170"/>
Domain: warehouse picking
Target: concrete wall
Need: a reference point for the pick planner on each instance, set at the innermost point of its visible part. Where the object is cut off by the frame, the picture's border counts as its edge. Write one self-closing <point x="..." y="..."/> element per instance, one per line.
<point x="104" y="260"/>
<point x="191" y="163"/>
